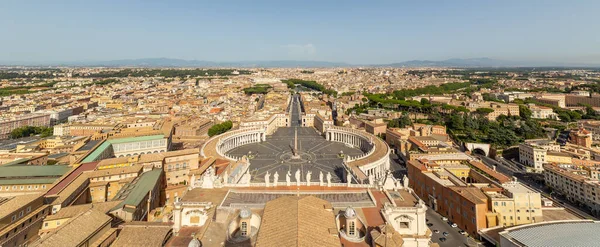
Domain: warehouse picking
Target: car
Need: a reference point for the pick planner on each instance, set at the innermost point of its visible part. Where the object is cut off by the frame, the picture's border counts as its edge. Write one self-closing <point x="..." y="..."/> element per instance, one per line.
<point x="444" y="218"/>
<point x="462" y="232"/>
<point x="454" y="225"/>
<point x="426" y="220"/>
<point x="445" y="234"/>
<point x="442" y="240"/>
<point x="429" y="224"/>
<point x="436" y="231"/>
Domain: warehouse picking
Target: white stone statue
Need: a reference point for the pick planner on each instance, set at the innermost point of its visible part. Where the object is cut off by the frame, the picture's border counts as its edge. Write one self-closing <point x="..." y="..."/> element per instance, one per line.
<point x="297" y="175"/>
<point x="308" y="176"/>
<point x="320" y="178"/>
<point x="405" y="181"/>
<point x="267" y="175"/>
<point x="225" y="177"/>
<point x="348" y="179"/>
<point x="328" y="179"/>
<point x="275" y="178"/>
<point x="371" y="179"/>
<point x="193" y="181"/>
<point x="287" y="178"/>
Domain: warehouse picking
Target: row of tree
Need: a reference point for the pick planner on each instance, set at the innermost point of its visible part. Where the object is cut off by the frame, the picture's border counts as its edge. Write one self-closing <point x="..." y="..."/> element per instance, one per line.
<point x="221" y="128"/>
<point x="291" y="83"/>
<point x="26" y="131"/>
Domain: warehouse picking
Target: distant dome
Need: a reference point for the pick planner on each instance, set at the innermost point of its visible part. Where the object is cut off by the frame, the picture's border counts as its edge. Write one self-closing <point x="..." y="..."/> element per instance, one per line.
<point x="350" y="213"/>
<point x="245" y="213"/>
<point x="195" y="243"/>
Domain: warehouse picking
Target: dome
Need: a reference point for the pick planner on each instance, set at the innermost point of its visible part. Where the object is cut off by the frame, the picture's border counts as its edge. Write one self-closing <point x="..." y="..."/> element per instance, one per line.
<point x="194" y="243"/>
<point x="349" y="213"/>
<point x="245" y="213"/>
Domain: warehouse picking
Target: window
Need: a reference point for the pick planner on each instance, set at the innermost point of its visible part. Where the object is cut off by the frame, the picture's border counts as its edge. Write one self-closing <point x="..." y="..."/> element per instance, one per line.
<point x="58" y="223"/>
<point x="28" y="209"/>
<point x="244" y="229"/>
<point x="20" y="214"/>
<point x="351" y="228"/>
<point x="46" y="224"/>
<point x="13" y="218"/>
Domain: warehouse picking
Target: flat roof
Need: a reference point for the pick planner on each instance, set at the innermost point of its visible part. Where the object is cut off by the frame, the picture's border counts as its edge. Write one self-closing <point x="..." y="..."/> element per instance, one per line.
<point x="563" y="233"/>
<point x="28" y="171"/>
<point x="133" y="196"/>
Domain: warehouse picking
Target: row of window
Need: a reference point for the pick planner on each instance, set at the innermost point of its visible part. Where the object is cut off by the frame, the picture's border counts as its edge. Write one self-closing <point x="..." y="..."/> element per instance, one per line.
<point x="22" y="187"/>
<point x="35" y="217"/>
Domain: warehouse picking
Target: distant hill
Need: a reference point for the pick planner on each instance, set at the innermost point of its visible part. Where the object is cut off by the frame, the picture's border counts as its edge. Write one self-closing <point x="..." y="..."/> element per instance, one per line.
<point x="456" y="62"/>
<point x="170" y="62"/>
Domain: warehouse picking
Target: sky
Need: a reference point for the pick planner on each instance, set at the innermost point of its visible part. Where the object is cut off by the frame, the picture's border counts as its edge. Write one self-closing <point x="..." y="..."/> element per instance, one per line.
<point x="357" y="32"/>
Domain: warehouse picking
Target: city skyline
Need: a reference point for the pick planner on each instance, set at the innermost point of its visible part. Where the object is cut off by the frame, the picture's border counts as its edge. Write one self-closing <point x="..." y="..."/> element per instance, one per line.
<point x="353" y="32"/>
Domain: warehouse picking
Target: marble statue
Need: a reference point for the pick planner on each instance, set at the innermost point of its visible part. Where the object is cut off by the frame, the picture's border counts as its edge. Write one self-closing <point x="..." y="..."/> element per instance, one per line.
<point x="287" y="178"/>
<point x="320" y="178"/>
<point x="308" y="176"/>
<point x="297" y="175"/>
<point x="348" y="179"/>
<point x="405" y="181"/>
<point x="328" y="179"/>
<point x="275" y="179"/>
<point x="267" y="178"/>
<point x="225" y="177"/>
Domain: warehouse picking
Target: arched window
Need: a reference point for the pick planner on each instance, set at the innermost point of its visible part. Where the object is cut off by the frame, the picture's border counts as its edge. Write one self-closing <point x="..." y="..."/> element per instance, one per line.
<point x="351" y="228"/>
<point x="244" y="229"/>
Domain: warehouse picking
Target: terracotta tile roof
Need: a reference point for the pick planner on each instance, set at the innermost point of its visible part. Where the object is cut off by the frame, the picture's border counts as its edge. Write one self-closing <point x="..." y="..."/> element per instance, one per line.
<point x="76" y="230"/>
<point x="297" y="221"/>
<point x="9" y="204"/>
<point x="143" y="234"/>
<point x="72" y="211"/>
<point x="386" y="236"/>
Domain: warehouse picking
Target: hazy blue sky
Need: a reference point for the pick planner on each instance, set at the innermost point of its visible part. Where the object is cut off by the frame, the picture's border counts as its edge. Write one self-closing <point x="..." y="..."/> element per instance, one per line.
<point x="343" y="30"/>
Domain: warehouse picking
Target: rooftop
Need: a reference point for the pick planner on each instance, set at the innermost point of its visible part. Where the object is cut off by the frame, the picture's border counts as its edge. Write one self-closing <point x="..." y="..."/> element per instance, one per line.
<point x="133" y="193"/>
<point x="33" y="171"/>
<point x="298" y="221"/>
<point x="555" y="233"/>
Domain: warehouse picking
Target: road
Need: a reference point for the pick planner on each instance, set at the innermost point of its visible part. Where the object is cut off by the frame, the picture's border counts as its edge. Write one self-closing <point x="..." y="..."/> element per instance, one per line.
<point x="454" y="239"/>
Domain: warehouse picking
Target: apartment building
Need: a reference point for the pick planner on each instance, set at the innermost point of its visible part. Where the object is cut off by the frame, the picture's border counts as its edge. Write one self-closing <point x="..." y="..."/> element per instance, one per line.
<point x="9" y="124"/>
<point x="449" y="195"/>
<point x="575" y="183"/>
<point x="542" y="112"/>
<point x="21" y="219"/>
<point x="592" y="126"/>
<point x="514" y="204"/>
<point x="533" y="153"/>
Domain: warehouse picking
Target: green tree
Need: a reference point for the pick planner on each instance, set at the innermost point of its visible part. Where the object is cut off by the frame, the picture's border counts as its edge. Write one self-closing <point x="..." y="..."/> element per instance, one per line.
<point x="221" y="128"/>
<point x="524" y="112"/>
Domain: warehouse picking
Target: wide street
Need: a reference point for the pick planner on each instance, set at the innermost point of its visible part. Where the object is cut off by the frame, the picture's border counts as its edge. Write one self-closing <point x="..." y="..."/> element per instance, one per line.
<point x="453" y="239"/>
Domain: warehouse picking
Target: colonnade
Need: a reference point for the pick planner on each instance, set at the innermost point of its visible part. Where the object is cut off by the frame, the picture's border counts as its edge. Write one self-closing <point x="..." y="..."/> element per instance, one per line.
<point x="357" y="141"/>
<point x="226" y="143"/>
<point x="369" y="165"/>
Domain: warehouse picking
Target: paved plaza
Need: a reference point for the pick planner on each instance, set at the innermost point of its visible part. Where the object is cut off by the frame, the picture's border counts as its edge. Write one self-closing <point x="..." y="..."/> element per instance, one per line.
<point x="275" y="155"/>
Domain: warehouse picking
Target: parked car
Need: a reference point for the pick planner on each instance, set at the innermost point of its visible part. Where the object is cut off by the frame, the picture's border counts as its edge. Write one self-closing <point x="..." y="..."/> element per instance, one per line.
<point x="445" y="234"/>
<point x="462" y="232"/>
<point x="436" y="231"/>
<point x="454" y="225"/>
<point x="442" y="240"/>
<point x="444" y="218"/>
<point x="429" y="224"/>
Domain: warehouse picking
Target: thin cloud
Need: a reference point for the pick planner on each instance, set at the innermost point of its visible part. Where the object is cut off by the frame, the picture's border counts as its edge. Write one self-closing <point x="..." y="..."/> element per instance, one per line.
<point x="300" y="50"/>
